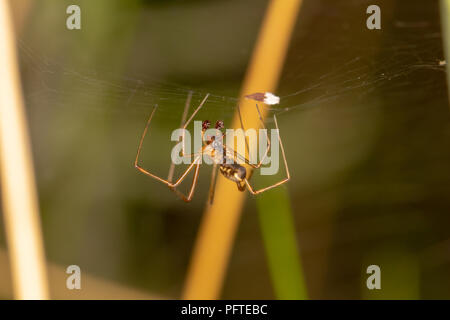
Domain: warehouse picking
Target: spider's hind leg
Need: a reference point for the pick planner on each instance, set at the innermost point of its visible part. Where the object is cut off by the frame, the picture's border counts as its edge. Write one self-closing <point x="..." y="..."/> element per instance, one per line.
<point x="188" y="198"/>
<point x="288" y="176"/>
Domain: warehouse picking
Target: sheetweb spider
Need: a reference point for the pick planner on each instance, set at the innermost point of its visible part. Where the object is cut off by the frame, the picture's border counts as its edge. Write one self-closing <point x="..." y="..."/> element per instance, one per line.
<point x="229" y="169"/>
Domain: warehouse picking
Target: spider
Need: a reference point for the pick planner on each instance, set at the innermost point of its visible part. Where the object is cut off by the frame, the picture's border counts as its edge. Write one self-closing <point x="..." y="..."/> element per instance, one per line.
<point x="229" y="169"/>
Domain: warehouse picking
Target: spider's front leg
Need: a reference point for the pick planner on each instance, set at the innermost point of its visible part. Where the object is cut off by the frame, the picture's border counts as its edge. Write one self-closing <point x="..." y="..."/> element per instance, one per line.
<point x="183" y="126"/>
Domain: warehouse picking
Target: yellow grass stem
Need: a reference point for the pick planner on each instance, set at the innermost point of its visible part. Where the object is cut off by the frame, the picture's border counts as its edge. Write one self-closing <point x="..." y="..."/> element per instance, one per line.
<point x="218" y="227"/>
<point x="19" y="200"/>
<point x="20" y="10"/>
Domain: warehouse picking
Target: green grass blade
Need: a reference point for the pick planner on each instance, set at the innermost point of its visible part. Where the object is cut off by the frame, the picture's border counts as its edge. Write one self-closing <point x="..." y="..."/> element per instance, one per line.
<point x="278" y="231"/>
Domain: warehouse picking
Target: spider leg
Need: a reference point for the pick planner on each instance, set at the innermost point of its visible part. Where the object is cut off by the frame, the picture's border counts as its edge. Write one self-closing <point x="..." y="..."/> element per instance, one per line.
<point x="267" y="139"/>
<point x="193" y="185"/>
<point x="196" y="111"/>
<point x="183" y="120"/>
<point x="183" y="125"/>
<point x="236" y="155"/>
<point x="166" y="182"/>
<point x="143" y="136"/>
<point x="192" y="117"/>
<point x="212" y="186"/>
<point x="246" y="142"/>
<point x="288" y="176"/>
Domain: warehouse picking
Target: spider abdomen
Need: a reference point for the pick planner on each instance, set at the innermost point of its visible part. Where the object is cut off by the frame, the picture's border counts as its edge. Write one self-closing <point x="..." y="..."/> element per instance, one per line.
<point x="234" y="172"/>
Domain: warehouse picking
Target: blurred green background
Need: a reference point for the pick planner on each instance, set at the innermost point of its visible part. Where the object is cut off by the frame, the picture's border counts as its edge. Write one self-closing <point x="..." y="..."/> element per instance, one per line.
<point x="364" y="118"/>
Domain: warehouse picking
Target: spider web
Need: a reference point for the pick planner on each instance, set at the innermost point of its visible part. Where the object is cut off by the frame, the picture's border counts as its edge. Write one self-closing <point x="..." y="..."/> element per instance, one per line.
<point x="396" y="67"/>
